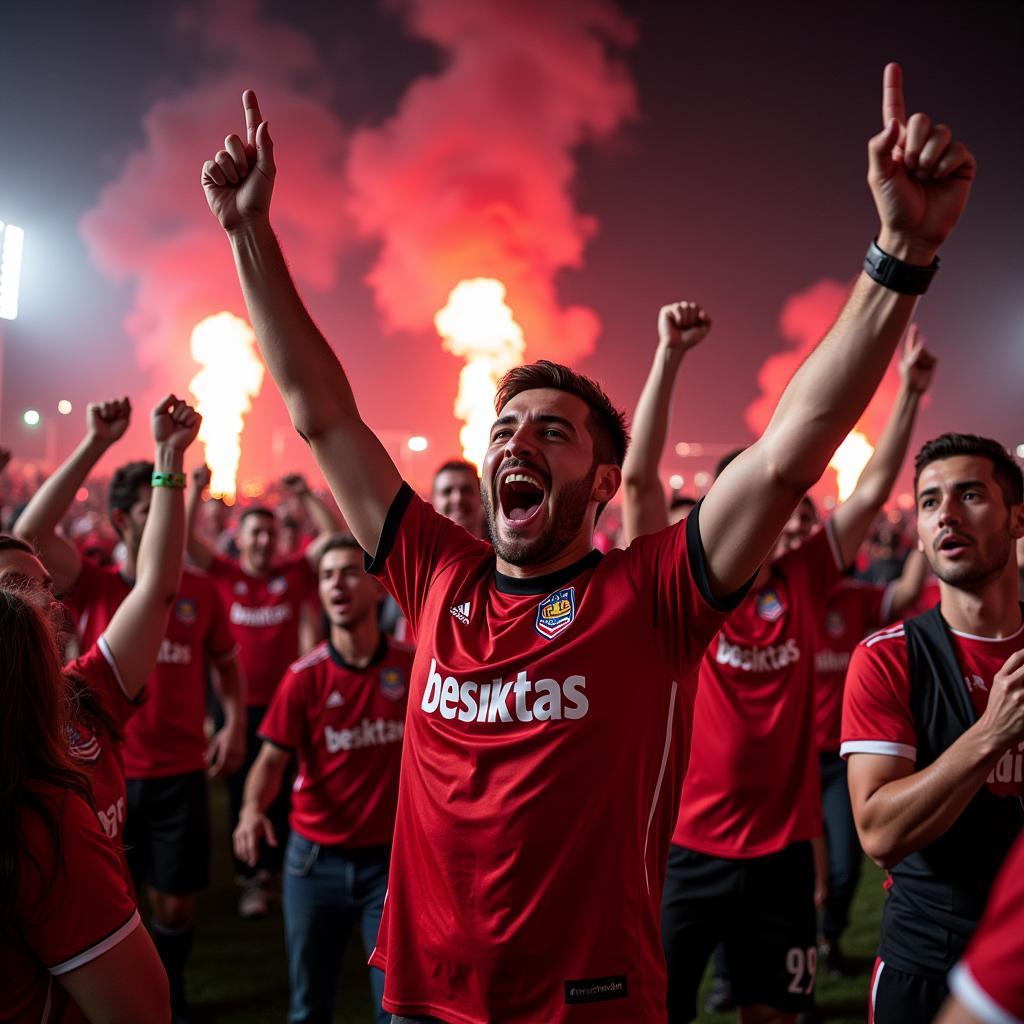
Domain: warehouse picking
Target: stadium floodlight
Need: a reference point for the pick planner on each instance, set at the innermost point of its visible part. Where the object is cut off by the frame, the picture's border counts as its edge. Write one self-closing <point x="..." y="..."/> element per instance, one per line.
<point x="12" y="241"/>
<point x="417" y="443"/>
<point x="64" y="407"/>
<point x="31" y="417"/>
<point x="1020" y="451"/>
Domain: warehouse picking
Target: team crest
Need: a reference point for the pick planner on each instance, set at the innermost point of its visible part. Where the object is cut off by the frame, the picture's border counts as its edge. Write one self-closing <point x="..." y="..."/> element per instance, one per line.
<point x="185" y="611"/>
<point x="241" y="588"/>
<point x="769" y="606"/>
<point x="556" y="612"/>
<point x="392" y="683"/>
<point x="277" y="586"/>
<point x="85" y="747"/>
<point x="835" y="624"/>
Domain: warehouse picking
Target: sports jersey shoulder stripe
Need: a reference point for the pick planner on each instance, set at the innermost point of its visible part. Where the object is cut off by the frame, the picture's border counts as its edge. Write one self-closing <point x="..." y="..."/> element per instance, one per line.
<point x="315" y="656"/>
<point x="108" y="657"/>
<point x="891" y="633"/>
<point x="885" y="747"/>
<point x="101" y="947"/>
<point x="965" y="987"/>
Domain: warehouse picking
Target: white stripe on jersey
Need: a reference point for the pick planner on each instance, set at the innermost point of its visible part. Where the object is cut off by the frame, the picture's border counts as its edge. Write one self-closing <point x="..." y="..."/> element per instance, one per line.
<point x="101" y="947"/>
<point x="965" y="987"/>
<point x="892" y="633"/>
<point x="315" y="656"/>
<point x="661" y="775"/>
<point x="874" y="989"/>
<point x="886" y="747"/>
<point x="108" y="657"/>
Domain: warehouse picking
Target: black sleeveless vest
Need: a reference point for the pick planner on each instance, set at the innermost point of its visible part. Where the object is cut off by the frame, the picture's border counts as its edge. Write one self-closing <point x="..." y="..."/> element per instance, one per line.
<point x="938" y="893"/>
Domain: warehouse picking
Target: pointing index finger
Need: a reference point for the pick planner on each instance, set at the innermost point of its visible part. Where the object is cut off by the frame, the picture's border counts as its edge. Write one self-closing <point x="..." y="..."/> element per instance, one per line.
<point x="253" y="117"/>
<point x="892" y="95"/>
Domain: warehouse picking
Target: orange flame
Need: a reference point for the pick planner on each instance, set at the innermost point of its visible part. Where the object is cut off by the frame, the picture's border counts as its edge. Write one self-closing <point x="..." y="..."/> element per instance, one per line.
<point x="849" y="461"/>
<point x="231" y="377"/>
<point x="477" y="324"/>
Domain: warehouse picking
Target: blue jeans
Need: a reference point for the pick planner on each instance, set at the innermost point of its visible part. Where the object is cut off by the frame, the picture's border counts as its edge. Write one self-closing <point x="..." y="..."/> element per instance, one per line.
<point x="844" y="852"/>
<point x="326" y="891"/>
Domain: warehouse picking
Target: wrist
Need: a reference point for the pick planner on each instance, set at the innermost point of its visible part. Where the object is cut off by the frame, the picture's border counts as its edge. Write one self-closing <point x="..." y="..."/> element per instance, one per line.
<point x="252" y="230"/>
<point x="905" y="248"/>
<point x="167" y="459"/>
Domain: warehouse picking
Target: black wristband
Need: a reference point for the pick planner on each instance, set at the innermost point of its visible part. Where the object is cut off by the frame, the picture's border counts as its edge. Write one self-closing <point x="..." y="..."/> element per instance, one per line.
<point x="889" y="272"/>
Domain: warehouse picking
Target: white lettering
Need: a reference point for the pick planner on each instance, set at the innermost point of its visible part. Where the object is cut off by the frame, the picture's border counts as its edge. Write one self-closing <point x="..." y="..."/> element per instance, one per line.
<point x="432" y="693"/>
<point x="369" y="733"/>
<point x="260" y="617"/>
<point x="757" y="659"/>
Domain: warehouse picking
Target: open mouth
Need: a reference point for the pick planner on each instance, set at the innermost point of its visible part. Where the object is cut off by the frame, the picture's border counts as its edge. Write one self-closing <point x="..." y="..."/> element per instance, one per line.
<point x="953" y="544"/>
<point x="521" y="496"/>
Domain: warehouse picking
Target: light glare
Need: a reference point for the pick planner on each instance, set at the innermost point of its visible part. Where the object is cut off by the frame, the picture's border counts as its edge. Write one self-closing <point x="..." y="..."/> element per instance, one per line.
<point x="12" y="241"/>
<point x="64" y="407"/>
<point x="417" y="443"/>
<point x="31" y="418"/>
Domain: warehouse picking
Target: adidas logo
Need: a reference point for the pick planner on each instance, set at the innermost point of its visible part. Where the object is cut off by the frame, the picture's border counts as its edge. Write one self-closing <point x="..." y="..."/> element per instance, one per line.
<point x="335" y="700"/>
<point x="461" y="612"/>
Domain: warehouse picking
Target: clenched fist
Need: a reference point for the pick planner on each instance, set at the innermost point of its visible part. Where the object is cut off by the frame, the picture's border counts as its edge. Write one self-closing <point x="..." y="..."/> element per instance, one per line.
<point x="682" y="325"/>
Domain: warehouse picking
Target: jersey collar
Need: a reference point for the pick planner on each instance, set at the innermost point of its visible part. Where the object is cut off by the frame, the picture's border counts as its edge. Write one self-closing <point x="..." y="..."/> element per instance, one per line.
<point x="378" y="656"/>
<point x="545" y="584"/>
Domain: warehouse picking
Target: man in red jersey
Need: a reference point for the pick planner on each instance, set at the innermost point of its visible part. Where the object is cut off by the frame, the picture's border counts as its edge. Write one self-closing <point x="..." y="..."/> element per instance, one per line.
<point x="933" y="726"/>
<point x="552" y="687"/>
<point x="988" y="984"/>
<point x="341" y="711"/>
<point x="267" y="598"/>
<point x="743" y="829"/>
<point x="165" y="753"/>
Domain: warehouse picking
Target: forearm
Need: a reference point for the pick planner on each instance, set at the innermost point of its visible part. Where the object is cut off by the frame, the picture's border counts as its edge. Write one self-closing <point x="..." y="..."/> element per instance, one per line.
<point x="262" y="784"/>
<point x="197" y="549"/>
<point x="907" y="588"/>
<point x="324" y="518"/>
<point x="879" y="475"/>
<point x="907" y="814"/>
<point x="163" y="540"/>
<point x="229" y="687"/>
<point x="51" y="502"/>
<point x="650" y="422"/>
<point x="308" y="374"/>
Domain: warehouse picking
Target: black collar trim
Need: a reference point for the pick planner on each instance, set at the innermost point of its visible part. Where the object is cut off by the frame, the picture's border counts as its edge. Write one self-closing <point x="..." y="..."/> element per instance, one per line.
<point x="545" y="584"/>
<point x="378" y="656"/>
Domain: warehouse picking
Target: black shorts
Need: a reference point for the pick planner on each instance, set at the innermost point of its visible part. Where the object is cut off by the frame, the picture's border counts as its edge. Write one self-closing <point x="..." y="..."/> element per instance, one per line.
<point x="901" y="998"/>
<point x="762" y="909"/>
<point x="167" y="833"/>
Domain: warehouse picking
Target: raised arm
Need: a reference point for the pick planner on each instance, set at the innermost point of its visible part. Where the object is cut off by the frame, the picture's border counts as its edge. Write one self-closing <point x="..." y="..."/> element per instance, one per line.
<point x="238" y="184"/>
<point x="199" y="552"/>
<point x="906" y="588"/>
<point x="898" y="810"/>
<point x="920" y="180"/>
<point x="681" y="326"/>
<point x="106" y="423"/>
<point x="325" y="519"/>
<point x="852" y="520"/>
<point x="137" y="628"/>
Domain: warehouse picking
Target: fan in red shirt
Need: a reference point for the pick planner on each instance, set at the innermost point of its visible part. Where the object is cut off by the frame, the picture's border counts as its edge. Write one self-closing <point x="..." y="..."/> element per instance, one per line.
<point x="742" y="828"/>
<point x="341" y="711"/>
<point x="933" y="726"/>
<point x="135" y="626"/>
<point x="552" y="688"/>
<point x="266" y="598"/>
<point x="988" y="984"/>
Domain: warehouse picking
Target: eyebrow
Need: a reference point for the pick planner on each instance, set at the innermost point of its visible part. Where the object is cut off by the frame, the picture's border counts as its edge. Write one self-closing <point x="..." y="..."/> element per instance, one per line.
<point x="545" y="417"/>
<point x="960" y="485"/>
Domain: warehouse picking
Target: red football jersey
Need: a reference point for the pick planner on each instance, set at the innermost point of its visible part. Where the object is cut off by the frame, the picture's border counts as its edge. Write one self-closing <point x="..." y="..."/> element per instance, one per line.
<point x="167" y="736"/>
<point x="346" y="727"/>
<point x="546" y="741"/>
<point x="66" y="913"/>
<point x="989" y="980"/>
<point x="97" y="752"/>
<point x="753" y="784"/>
<point x="264" y="612"/>
<point x="876" y="708"/>
<point x="854" y="609"/>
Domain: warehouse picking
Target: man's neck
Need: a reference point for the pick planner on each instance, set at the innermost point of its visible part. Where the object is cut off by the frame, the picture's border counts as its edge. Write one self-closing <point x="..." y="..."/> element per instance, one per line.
<point x="574" y="552"/>
<point x="358" y="643"/>
<point x="250" y="570"/>
<point x="992" y="610"/>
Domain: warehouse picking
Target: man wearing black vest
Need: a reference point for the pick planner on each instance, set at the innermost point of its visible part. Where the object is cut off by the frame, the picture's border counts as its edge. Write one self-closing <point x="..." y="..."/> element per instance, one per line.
<point x="933" y="726"/>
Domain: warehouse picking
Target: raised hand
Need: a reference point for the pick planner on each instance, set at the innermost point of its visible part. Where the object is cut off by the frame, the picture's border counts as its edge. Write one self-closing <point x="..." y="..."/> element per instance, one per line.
<point x="682" y="325"/>
<point x="201" y="477"/>
<point x="239" y="180"/>
<point x="107" y="421"/>
<point x="295" y="483"/>
<point x="919" y="176"/>
<point x="175" y="423"/>
<point x="917" y="363"/>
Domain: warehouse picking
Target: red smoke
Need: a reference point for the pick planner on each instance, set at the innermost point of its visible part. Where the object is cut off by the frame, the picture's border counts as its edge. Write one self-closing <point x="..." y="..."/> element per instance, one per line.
<point x="471" y="177"/>
<point x="805" y="319"/>
<point x="151" y="225"/>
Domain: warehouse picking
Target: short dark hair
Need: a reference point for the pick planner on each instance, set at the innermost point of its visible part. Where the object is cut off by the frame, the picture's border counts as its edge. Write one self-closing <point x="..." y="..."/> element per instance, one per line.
<point x="126" y="483"/>
<point x="256" y="510"/>
<point x="606" y="423"/>
<point x="1006" y="471"/>
<point x="456" y="466"/>
<point x="337" y="542"/>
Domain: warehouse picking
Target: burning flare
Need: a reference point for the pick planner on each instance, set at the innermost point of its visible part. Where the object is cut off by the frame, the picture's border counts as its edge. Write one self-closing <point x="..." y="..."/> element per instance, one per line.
<point x="849" y="461"/>
<point x="230" y="378"/>
<point x="477" y="325"/>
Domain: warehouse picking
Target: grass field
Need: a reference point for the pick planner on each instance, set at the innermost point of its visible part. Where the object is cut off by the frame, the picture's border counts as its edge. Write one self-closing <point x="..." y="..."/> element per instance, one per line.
<point x="238" y="973"/>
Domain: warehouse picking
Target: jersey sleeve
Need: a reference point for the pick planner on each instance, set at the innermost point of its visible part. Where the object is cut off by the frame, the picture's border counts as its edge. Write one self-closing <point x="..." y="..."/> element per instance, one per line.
<point x="415" y="545"/>
<point x="219" y="642"/>
<point x="876" y="701"/>
<point x="989" y="981"/>
<point x="75" y="908"/>
<point x="284" y="723"/>
<point x="97" y="668"/>
<point x="669" y="574"/>
<point x="221" y="568"/>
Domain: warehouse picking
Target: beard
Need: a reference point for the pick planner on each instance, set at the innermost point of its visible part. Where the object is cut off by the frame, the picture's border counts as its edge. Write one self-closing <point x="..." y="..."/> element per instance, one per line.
<point x="570" y="509"/>
<point x="991" y="561"/>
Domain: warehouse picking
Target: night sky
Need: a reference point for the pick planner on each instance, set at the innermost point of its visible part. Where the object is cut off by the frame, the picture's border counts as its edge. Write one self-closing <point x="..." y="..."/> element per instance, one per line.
<point x="731" y="172"/>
